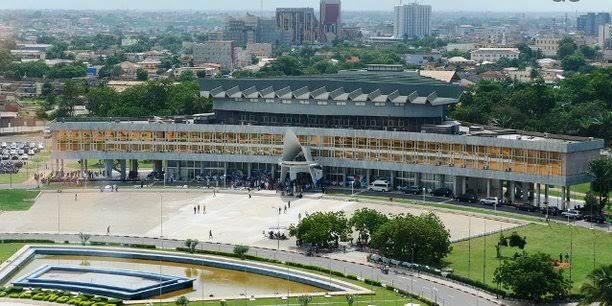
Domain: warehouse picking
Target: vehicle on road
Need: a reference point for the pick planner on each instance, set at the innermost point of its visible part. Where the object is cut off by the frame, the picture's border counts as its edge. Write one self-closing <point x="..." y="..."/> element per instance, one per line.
<point x="3" y="145"/>
<point x="468" y="198"/>
<point x="380" y="186"/>
<point x="412" y="189"/>
<point x="527" y="207"/>
<point x="551" y="211"/>
<point x="490" y="201"/>
<point x="572" y="214"/>
<point x="442" y="192"/>
<point x="595" y="219"/>
<point x="25" y="157"/>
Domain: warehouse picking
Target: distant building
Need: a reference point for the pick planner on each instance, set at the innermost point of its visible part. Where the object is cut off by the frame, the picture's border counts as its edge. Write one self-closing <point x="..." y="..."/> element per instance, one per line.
<point x="517" y="75"/>
<point x="492" y="76"/>
<point x="494" y="54"/>
<point x="330" y="16"/>
<point x="219" y="52"/>
<point x="420" y="59"/>
<point x="549" y="45"/>
<point x="300" y="24"/>
<point x="462" y="47"/>
<point x="350" y="33"/>
<point x="412" y="21"/>
<point x="241" y="30"/>
<point x="126" y="42"/>
<point x="38" y="47"/>
<point x="259" y="49"/>
<point x="28" y="55"/>
<point x="604" y="39"/>
<point x="589" y="23"/>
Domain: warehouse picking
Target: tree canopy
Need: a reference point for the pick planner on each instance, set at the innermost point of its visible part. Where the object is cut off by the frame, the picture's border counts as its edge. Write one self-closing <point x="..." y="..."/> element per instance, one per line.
<point x="322" y="230"/>
<point x="598" y="288"/>
<point x="422" y="239"/>
<point x="366" y="221"/>
<point x="532" y="277"/>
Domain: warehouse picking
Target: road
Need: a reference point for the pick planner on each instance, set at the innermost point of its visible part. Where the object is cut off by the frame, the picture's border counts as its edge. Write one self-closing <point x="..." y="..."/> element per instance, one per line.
<point x="437" y="289"/>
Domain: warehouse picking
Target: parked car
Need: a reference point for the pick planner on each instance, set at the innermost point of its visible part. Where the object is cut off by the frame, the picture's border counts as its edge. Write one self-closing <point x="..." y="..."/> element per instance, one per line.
<point x="380" y="186"/>
<point x="25" y="157"/>
<point x="468" y="197"/>
<point x="490" y="201"/>
<point x="527" y="207"/>
<point x="412" y="189"/>
<point x="551" y="211"/>
<point x="442" y="192"/>
<point x="3" y="145"/>
<point x="595" y="219"/>
<point x="572" y="214"/>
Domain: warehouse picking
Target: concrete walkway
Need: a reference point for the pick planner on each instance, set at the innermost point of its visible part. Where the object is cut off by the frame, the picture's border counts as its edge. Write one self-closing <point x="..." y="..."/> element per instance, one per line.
<point x="438" y="289"/>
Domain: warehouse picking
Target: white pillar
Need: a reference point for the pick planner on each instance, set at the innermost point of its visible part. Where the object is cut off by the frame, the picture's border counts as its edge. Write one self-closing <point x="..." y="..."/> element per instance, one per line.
<point x="538" y="194"/>
<point x="512" y="191"/>
<point x="123" y="166"/>
<point x="488" y="187"/>
<point x="546" y="195"/>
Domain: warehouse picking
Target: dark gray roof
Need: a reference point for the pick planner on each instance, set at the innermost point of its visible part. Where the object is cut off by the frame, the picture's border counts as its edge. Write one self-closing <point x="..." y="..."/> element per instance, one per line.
<point x="394" y="87"/>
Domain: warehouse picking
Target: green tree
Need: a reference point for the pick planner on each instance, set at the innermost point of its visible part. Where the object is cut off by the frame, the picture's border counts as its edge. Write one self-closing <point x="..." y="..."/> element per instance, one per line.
<point x="532" y="277"/>
<point x="101" y="100"/>
<point x="350" y="299"/>
<point x="67" y="71"/>
<point x="142" y="74"/>
<point x="6" y="58"/>
<point x="600" y="170"/>
<point x="366" y="221"/>
<point x="57" y="50"/>
<point x="573" y="62"/>
<point x="304" y="300"/>
<point x="110" y="71"/>
<point x="241" y="250"/>
<point x="321" y="230"/>
<point x="186" y="76"/>
<point x="518" y="241"/>
<point x="422" y="239"/>
<point x="567" y="47"/>
<point x="182" y="301"/>
<point x="598" y="288"/>
<point x="71" y="96"/>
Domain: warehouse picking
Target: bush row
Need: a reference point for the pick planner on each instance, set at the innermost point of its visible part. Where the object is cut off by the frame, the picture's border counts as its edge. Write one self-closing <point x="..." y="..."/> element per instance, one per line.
<point x="58" y="296"/>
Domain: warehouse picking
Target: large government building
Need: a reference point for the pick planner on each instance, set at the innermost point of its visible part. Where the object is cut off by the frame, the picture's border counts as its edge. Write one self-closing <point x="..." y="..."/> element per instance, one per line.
<point x="353" y="126"/>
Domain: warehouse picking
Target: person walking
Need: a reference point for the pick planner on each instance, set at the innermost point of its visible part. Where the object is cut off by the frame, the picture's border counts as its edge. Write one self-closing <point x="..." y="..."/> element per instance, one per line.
<point x="289" y="204"/>
<point x="108" y="230"/>
<point x="75" y="196"/>
<point x="214" y="193"/>
<point x="203" y="209"/>
<point x="198" y="208"/>
<point x="210" y="235"/>
<point x="194" y="210"/>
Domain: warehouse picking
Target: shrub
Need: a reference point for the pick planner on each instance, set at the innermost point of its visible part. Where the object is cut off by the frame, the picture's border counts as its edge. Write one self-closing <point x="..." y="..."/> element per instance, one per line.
<point x="241" y="250"/>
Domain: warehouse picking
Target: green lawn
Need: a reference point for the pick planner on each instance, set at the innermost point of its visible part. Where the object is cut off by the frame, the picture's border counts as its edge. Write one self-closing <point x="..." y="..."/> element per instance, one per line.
<point x="17" y="199"/>
<point x="27" y="171"/>
<point x="382" y="297"/>
<point x="553" y="239"/>
<point x="8" y="249"/>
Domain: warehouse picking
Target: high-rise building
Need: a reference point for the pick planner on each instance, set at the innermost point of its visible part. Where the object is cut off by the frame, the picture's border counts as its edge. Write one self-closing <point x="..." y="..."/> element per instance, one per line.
<point x="590" y="23"/>
<point x="300" y="24"/>
<point x="412" y="21"/>
<point x="605" y="36"/>
<point x="218" y="52"/>
<point x="330" y="16"/>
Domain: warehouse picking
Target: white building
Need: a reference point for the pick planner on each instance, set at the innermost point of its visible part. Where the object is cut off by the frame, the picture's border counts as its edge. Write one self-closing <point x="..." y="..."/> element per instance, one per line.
<point x="605" y="36"/>
<point x="220" y="52"/>
<point x="259" y="49"/>
<point x="494" y="54"/>
<point x="412" y="21"/>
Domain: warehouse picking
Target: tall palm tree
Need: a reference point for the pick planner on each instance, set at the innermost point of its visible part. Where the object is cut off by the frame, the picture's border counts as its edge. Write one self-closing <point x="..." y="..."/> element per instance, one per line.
<point x="598" y="289"/>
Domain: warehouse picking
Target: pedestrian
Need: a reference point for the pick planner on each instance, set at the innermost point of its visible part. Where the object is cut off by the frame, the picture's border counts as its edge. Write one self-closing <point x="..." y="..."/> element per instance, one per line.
<point x="285" y="208"/>
<point x="299" y="216"/>
<point x="194" y="210"/>
<point x="279" y="210"/>
<point x="108" y="230"/>
<point x="210" y="235"/>
<point x="198" y="208"/>
<point x="289" y="204"/>
<point x="214" y="193"/>
<point x="203" y="209"/>
<point x="75" y="196"/>
<point x="249" y="195"/>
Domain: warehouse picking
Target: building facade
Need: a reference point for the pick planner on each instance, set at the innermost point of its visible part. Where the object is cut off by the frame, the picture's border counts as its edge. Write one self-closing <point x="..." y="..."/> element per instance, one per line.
<point x="258" y="123"/>
<point x="589" y="23"/>
<point x="300" y="25"/>
<point x="412" y="21"/>
<point x="549" y="45"/>
<point x="218" y="52"/>
<point x="605" y="36"/>
<point x="494" y="54"/>
<point x="330" y="16"/>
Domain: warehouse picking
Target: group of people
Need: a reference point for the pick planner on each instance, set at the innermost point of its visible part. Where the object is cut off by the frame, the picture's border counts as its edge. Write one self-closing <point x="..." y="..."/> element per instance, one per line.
<point x="197" y="210"/>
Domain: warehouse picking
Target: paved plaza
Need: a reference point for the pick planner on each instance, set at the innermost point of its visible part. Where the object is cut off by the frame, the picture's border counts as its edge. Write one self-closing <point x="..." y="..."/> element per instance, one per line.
<point x="232" y="218"/>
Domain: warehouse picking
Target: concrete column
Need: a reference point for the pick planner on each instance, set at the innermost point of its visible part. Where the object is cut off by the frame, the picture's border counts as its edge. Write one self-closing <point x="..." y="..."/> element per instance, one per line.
<point x="501" y="190"/>
<point x="512" y="191"/>
<point x="225" y="174"/>
<point x="164" y="166"/>
<point x="108" y="168"/>
<point x="62" y="165"/>
<point x="546" y="195"/>
<point x="392" y="179"/>
<point x="538" y="195"/>
<point x="86" y="166"/>
<point x="157" y="166"/>
<point x="463" y="185"/>
<point x="568" y="198"/>
<point x="563" y="204"/>
<point x="441" y="181"/>
<point x="82" y="168"/>
<point x="368" y="174"/>
<point x="488" y="187"/>
<point x="249" y="169"/>
<point x="123" y="166"/>
<point x="273" y="170"/>
<point x="456" y="184"/>
<point x="418" y="179"/>
<point x="344" y="171"/>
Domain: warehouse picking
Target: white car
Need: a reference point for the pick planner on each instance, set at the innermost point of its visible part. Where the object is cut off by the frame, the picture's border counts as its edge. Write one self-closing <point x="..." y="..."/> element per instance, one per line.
<point x="572" y="214"/>
<point x="3" y="145"/>
<point x="380" y="186"/>
<point x="25" y="157"/>
<point x="491" y="201"/>
<point x="31" y="152"/>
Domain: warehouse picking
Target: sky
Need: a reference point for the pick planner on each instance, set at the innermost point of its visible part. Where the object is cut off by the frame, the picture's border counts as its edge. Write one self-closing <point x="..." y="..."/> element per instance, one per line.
<point x="380" y="5"/>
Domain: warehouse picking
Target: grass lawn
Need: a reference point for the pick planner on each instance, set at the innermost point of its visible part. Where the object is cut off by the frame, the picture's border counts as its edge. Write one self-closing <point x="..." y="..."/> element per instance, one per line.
<point x="17" y="199"/>
<point x="382" y="297"/>
<point x="8" y="249"/>
<point x="26" y="171"/>
<point x="553" y="240"/>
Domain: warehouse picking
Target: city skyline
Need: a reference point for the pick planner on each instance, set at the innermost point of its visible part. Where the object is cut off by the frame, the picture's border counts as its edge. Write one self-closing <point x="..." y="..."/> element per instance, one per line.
<point x="381" y="5"/>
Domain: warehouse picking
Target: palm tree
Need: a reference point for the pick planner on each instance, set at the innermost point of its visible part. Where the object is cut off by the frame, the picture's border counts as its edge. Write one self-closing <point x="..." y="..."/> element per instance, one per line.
<point x="601" y="172"/>
<point x="598" y="289"/>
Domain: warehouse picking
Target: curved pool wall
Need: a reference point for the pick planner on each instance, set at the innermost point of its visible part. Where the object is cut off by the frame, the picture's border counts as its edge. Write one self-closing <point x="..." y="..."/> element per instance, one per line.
<point x="333" y="286"/>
